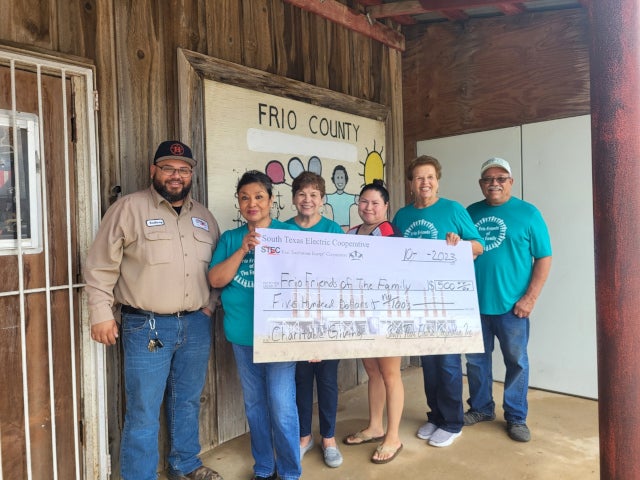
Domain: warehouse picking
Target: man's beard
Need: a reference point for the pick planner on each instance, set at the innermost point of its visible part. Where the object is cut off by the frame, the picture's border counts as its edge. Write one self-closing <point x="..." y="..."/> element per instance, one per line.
<point x="168" y="196"/>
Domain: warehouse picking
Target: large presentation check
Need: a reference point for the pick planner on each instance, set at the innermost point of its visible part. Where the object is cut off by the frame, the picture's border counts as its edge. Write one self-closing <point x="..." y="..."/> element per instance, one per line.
<point x="324" y="296"/>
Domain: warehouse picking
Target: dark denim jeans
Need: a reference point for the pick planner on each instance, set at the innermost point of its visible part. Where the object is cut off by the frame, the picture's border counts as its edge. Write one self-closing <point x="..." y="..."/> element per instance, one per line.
<point x="326" y="376"/>
<point x="443" y="387"/>
<point x="174" y="373"/>
<point x="513" y="334"/>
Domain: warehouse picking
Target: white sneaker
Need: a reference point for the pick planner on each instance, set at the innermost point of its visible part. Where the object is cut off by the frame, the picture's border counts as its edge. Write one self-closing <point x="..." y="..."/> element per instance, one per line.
<point x="442" y="438"/>
<point x="426" y="430"/>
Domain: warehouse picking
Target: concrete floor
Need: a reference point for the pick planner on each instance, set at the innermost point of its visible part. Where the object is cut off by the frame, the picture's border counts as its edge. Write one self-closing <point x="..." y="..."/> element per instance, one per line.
<point x="564" y="444"/>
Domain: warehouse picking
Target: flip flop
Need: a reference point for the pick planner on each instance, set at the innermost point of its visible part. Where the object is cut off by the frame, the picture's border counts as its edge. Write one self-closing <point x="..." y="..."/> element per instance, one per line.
<point x="360" y="438"/>
<point x="385" y="450"/>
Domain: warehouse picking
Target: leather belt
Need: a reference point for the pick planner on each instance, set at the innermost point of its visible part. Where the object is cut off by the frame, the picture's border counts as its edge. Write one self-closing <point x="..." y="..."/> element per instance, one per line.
<point x="139" y="311"/>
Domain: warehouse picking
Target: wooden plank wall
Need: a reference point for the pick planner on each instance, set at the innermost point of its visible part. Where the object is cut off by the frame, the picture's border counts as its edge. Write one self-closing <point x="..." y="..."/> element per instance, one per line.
<point x="133" y="46"/>
<point x="492" y="73"/>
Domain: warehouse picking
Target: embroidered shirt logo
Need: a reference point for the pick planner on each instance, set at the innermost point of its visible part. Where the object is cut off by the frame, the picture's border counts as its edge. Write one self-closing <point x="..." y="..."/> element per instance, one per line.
<point x="155" y="222"/>
<point x="200" y="223"/>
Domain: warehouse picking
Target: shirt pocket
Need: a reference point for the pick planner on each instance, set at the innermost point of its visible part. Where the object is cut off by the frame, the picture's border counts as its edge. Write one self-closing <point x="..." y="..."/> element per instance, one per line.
<point x="158" y="247"/>
<point x="204" y="245"/>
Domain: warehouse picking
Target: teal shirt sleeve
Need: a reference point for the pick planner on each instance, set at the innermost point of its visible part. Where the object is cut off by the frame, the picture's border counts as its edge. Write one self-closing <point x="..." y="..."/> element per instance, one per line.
<point x="468" y="230"/>
<point x="540" y="239"/>
<point x="222" y="250"/>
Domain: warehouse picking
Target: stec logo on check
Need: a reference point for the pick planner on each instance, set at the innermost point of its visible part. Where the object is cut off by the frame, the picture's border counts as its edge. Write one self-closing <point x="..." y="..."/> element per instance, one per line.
<point x="355" y="255"/>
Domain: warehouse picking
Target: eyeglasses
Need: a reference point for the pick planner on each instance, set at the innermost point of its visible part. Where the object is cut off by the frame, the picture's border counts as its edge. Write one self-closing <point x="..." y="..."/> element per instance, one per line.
<point x="184" y="172"/>
<point x="490" y="180"/>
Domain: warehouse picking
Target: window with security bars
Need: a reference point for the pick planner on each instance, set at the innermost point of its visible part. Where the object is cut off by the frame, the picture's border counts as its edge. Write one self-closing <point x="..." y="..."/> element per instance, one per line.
<point x="20" y="199"/>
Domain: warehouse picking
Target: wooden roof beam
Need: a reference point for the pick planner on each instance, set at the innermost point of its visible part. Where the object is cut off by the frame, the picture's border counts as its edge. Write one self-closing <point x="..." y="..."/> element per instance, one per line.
<point x="353" y="20"/>
<point x="416" y="7"/>
<point x="436" y="5"/>
<point x="400" y="19"/>
<point x="512" y="9"/>
<point x="454" y="14"/>
<point x="386" y="10"/>
<point x="404" y="20"/>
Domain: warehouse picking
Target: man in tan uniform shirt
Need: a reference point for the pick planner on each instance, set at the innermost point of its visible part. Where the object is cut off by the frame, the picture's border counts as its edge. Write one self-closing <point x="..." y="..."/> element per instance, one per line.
<point x="151" y="256"/>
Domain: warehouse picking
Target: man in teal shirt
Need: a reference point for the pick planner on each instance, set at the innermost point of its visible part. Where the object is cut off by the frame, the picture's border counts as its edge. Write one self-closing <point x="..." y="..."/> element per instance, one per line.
<point x="510" y="276"/>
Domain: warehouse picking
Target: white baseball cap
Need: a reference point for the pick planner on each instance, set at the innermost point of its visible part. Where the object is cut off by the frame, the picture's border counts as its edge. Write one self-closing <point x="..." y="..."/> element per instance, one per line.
<point x="495" y="162"/>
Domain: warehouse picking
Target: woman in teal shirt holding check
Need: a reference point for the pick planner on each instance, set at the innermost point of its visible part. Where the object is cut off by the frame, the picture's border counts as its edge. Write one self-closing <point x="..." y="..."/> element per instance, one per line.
<point x="269" y="389"/>
<point x="431" y="217"/>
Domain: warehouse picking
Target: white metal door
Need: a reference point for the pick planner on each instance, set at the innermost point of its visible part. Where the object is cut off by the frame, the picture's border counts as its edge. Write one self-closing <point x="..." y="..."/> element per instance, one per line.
<point x="551" y="163"/>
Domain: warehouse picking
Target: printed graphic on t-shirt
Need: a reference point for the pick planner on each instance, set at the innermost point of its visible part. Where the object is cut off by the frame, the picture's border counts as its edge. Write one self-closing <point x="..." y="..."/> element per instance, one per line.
<point x="422" y="229"/>
<point x="493" y="230"/>
<point x="244" y="276"/>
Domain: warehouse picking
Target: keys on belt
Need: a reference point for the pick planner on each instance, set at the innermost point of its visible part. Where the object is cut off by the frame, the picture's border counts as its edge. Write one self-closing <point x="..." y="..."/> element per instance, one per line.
<point x="154" y="344"/>
<point x="154" y="341"/>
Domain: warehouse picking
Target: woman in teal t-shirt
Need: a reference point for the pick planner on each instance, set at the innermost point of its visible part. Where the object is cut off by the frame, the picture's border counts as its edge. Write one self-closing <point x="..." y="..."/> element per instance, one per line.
<point x="269" y="389"/>
<point x="433" y="217"/>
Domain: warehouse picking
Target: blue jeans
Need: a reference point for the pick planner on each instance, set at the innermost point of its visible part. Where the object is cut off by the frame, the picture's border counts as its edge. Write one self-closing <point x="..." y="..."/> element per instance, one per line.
<point x="443" y="387"/>
<point x="513" y="334"/>
<point x="175" y="373"/>
<point x="326" y="375"/>
<point x="269" y="391"/>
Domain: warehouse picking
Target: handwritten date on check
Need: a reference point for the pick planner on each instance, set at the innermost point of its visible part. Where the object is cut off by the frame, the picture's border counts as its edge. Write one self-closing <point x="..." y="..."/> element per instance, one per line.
<point x="326" y="296"/>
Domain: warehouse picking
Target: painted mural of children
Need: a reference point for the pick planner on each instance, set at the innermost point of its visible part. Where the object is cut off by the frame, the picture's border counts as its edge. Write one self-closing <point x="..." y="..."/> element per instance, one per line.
<point x="340" y="200"/>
